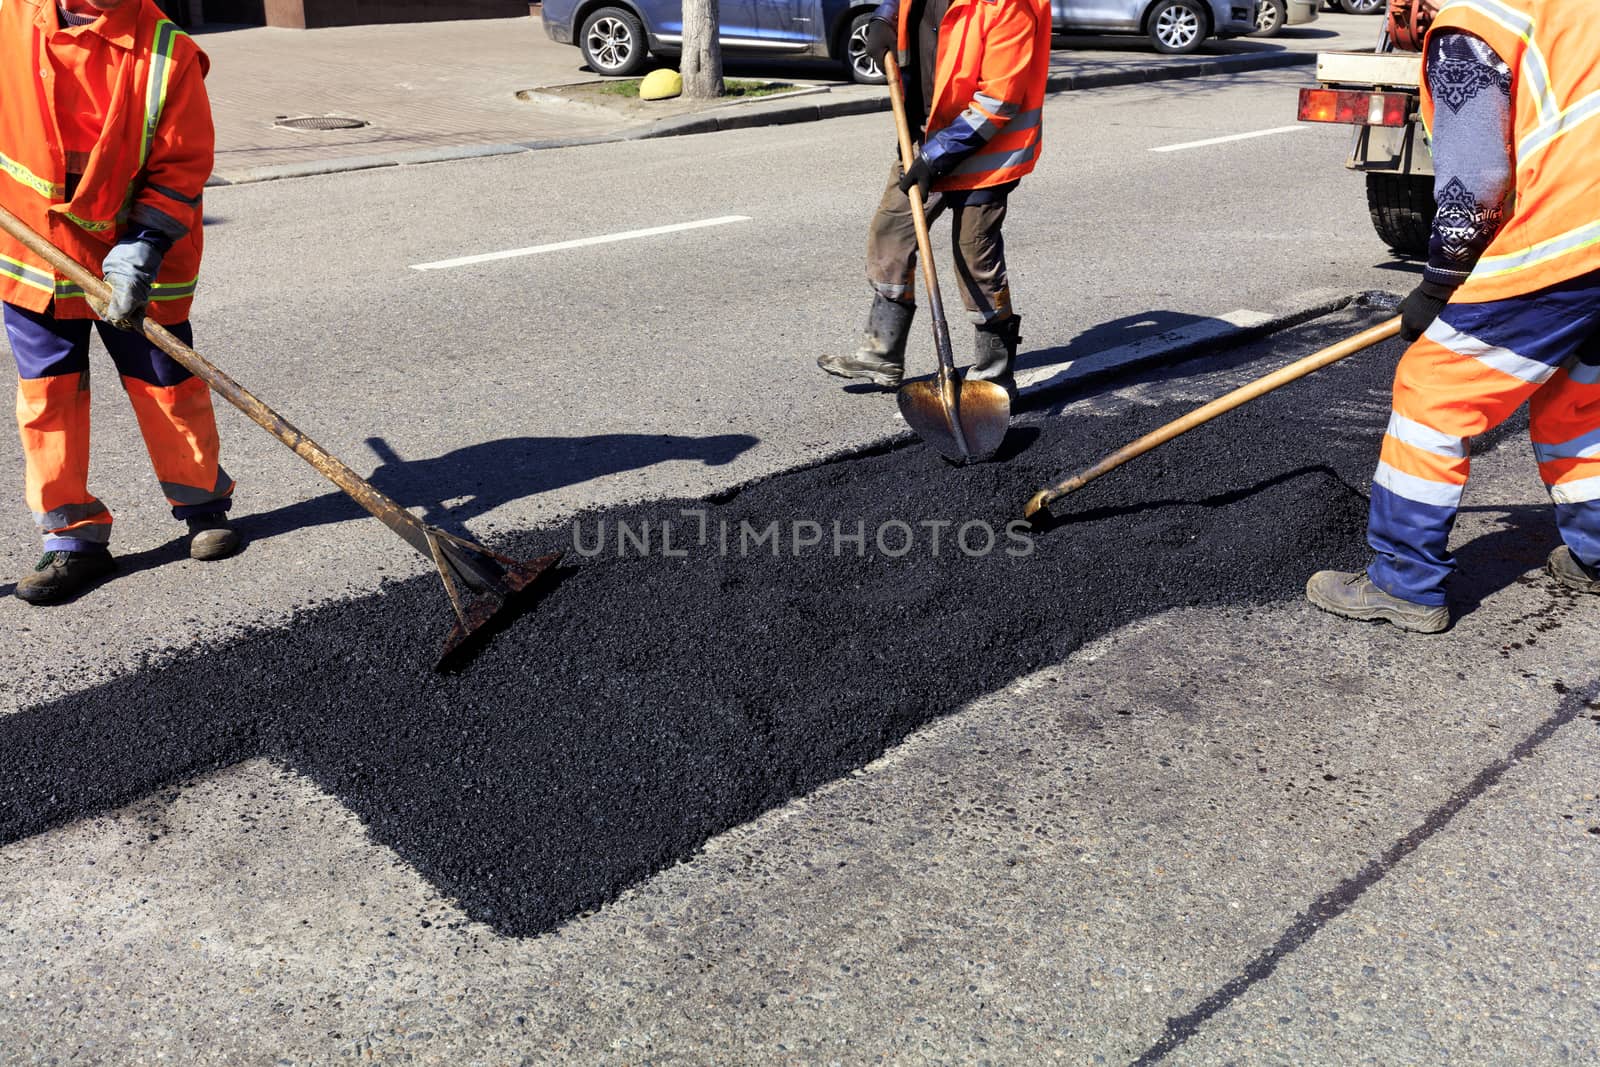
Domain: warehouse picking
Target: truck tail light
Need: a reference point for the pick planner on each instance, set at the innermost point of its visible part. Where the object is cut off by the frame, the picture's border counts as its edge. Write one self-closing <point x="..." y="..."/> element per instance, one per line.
<point x="1354" y="107"/>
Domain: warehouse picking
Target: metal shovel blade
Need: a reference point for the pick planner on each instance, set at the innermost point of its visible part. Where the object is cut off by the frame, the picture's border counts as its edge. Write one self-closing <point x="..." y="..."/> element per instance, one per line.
<point x="488" y="603"/>
<point x="970" y="430"/>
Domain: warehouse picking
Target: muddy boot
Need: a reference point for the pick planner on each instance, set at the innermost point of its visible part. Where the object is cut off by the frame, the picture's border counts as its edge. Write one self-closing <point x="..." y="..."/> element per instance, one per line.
<point x="1565" y="568"/>
<point x="881" y="359"/>
<point x="995" y="353"/>
<point x="1355" y="597"/>
<point x="210" y="537"/>
<point x="61" y="574"/>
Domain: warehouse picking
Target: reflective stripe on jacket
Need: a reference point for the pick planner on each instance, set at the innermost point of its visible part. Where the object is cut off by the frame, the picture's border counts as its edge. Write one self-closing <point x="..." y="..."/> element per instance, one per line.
<point x="988" y="91"/>
<point x="1553" y="233"/>
<point x="146" y="171"/>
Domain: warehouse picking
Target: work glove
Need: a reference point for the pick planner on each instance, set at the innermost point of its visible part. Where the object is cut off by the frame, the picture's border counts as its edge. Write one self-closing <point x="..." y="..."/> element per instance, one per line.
<point x="130" y="269"/>
<point x="1420" y="308"/>
<point x="882" y="38"/>
<point x="920" y="175"/>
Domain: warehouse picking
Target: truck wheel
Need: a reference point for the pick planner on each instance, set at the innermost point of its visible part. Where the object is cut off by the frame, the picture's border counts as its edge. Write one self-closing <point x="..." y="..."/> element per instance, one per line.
<point x="1402" y="211"/>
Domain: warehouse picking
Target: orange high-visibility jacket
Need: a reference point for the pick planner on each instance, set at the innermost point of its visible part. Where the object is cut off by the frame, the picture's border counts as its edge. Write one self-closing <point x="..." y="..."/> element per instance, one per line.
<point x="1553" y="50"/>
<point x="147" y="169"/>
<point x="993" y="62"/>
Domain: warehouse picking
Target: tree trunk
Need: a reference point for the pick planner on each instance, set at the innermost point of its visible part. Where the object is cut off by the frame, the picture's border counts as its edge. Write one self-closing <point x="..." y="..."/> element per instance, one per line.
<point x="701" y="65"/>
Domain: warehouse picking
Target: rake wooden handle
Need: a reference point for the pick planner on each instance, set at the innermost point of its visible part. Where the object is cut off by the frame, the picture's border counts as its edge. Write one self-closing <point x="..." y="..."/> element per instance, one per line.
<point x="356" y="487"/>
<point x="1223" y="404"/>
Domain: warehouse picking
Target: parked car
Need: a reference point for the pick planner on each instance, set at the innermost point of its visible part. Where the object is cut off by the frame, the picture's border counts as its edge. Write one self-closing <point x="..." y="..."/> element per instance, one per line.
<point x="1358" y="7"/>
<point x="1176" y="27"/>
<point x="617" y="37"/>
<point x="1273" y="15"/>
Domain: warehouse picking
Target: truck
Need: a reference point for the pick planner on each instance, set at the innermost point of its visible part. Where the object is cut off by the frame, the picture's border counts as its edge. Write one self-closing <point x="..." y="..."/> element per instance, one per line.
<point x="1378" y="91"/>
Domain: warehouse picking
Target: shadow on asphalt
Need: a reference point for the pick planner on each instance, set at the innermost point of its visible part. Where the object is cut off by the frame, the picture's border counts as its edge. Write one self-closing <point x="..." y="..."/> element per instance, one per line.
<point x="482" y="477"/>
<point x="1342" y="897"/>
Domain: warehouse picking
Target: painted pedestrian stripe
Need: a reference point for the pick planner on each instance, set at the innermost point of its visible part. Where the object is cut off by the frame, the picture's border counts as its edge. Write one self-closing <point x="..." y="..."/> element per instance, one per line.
<point x="581" y="242"/>
<point x="1230" y="137"/>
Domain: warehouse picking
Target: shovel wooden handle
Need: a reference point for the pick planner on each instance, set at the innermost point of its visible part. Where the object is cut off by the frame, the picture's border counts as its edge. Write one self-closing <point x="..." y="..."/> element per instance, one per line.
<point x="1225" y="403"/>
<point x="930" y="276"/>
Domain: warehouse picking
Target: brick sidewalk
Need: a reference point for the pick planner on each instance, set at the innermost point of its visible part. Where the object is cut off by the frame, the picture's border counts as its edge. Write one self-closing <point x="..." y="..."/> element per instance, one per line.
<point x="421" y="85"/>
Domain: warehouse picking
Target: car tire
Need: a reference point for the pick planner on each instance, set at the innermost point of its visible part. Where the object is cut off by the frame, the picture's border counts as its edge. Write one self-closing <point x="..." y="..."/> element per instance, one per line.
<point x="1402" y="210"/>
<point x="864" y="70"/>
<point x="1362" y="7"/>
<point x="1270" y="17"/>
<point x="1177" y="27"/>
<point x="613" y="42"/>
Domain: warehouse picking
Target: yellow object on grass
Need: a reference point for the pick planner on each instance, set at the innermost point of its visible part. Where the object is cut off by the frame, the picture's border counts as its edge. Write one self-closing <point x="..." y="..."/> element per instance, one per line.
<point x="661" y="85"/>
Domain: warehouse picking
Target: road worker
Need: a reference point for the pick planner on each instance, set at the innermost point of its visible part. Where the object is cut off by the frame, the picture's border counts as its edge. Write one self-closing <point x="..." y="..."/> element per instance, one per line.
<point x="105" y="146"/>
<point x="974" y="76"/>
<point x="1508" y="309"/>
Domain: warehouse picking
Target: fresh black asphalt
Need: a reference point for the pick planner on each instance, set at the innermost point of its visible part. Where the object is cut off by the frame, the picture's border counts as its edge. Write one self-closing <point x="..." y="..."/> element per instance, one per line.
<point x="649" y="702"/>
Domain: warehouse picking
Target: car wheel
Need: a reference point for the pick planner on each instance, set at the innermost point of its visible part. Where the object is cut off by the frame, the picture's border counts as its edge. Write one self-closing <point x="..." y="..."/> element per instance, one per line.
<point x="864" y="69"/>
<point x="1177" y="27"/>
<point x="1362" y="7"/>
<point x="613" y="42"/>
<point x="1270" y="17"/>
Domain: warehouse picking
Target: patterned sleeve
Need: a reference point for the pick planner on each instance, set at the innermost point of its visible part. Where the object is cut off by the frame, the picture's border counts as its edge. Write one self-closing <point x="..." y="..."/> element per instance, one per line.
<point x="1472" y="156"/>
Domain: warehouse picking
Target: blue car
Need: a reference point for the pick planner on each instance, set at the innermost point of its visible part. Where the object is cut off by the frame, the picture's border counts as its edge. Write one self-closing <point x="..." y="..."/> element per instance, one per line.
<point x="618" y="36"/>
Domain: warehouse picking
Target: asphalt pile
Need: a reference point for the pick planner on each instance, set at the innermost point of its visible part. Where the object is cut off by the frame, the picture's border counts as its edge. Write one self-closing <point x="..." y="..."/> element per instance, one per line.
<point x="652" y="700"/>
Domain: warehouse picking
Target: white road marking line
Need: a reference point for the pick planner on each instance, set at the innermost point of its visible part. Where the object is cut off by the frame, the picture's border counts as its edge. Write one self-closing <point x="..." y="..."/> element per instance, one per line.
<point x="1141" y="351"/>
<point x="1230" y="137"/>
<point x="582" y="242"/>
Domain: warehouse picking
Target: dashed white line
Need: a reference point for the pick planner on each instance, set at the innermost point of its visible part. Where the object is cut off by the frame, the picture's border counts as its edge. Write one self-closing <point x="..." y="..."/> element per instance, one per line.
<point x="582" y="242"/>
<point x="1230" y="137"/>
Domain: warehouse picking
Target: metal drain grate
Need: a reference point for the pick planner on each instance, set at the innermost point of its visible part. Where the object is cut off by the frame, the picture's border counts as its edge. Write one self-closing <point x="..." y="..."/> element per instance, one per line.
<point x="320" y="122"/>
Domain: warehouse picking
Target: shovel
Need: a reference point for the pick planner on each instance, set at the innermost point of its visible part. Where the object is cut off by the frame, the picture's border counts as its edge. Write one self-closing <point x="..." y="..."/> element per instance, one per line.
<point x="1041" y="501"/>
<point x="965" y="421"/>
<point x="481" y="584"/>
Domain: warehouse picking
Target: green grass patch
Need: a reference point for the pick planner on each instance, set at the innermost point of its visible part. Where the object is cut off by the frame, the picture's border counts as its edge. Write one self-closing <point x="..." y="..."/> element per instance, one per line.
<point x="737" y="88"/>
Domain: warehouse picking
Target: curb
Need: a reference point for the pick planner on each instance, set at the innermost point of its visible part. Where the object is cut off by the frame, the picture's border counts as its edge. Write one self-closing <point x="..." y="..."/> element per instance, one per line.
<point x="711" y="121"/>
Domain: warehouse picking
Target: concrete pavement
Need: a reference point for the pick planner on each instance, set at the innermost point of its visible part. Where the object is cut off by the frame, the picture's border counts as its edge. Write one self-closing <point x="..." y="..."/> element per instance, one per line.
<point x="444" y="89"/>
<point x="1254" y="835"/>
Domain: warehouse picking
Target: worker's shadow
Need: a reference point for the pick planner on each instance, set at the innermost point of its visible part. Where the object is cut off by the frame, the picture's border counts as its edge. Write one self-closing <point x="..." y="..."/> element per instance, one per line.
<point x="457" y="487"/>
<point x="1513" y="552"/>
<point x="1088" y="359"/>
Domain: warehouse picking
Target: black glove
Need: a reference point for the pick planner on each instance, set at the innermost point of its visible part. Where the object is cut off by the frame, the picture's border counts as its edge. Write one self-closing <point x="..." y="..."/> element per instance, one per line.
<point x="882" y="38"/>
<point x="920" y="175"/>
<point x="1420" y="308"/>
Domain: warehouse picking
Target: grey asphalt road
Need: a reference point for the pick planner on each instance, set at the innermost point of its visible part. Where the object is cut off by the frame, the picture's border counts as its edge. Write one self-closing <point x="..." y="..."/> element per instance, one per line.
<point x="1221" y="836"/>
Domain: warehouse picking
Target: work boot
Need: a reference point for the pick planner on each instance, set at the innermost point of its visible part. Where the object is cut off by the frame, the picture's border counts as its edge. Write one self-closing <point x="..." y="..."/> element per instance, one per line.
<point x="210" y="537"/>
<point x="881" y="359"/>
<point x="1355" y="597"/>
<point x="60" y="574"/>
<point x="995" y="353"/>
<point x="1567" y="569"/>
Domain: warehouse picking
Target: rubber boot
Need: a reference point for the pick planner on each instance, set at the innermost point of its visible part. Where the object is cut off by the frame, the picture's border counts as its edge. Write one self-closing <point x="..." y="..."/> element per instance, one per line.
<point x="881" y="359"/>
<point x="995" y="353"/>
